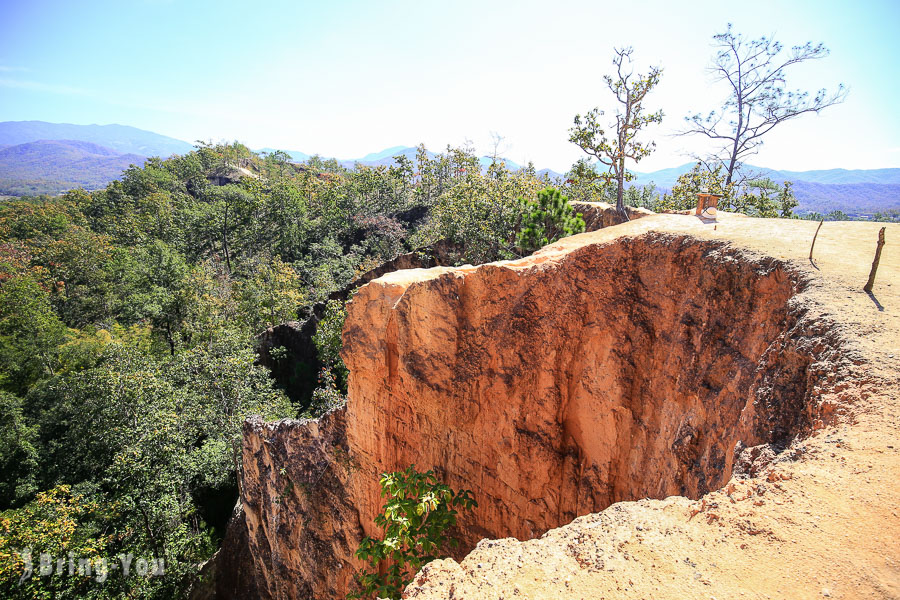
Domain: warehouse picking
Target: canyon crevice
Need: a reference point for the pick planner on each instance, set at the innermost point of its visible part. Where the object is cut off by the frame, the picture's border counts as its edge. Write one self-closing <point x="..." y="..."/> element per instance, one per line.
<point x="603" y="369"/>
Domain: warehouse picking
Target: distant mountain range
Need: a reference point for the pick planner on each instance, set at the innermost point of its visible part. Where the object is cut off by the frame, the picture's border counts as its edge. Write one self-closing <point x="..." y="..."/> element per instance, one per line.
<point x="387" y="158"/>
<point x="53" y="166"/>
<point x="666" y="178"/>
<point x="39" y="157"/>
<point x="855" y="192"/>
<point x="120" y="138"/>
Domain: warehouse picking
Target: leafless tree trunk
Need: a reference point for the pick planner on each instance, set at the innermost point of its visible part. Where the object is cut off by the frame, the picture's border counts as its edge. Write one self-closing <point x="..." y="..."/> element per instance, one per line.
<point x="758" y="99"/>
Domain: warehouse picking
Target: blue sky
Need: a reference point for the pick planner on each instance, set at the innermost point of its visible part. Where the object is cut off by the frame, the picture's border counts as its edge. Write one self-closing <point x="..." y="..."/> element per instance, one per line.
<point x="348" y="78"/>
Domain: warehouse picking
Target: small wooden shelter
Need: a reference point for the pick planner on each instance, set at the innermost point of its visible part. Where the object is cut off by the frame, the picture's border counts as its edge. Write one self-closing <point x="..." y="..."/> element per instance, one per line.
<point x="707" y="204"/>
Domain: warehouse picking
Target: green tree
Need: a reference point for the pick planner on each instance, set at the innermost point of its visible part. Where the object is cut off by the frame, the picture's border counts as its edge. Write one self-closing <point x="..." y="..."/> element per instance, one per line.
<point x="630" y="92"/>
<point x="756" y="198"/>
<point x="415" y="519"/>
<point x="18" y="452"/>
<point x="221" y="385"/>
<point x="161" y="291"/>
<point x="145" y="439"/>
<point x="584" y="184"/>
<point x="84" y="265"/>
<point x="765" y="198"/>
<point x="30" y="333"/>
<point x="57" y="522"/>
<point x="42" y="218"/>
<point x="645" y="196"/>
<point x="328" y="342"/>
<point x="547" y="218"/>
<point x="325" y="397"/>
<point x="699" y="179"/>
<point x="482" y="212"/>
<point x="118" y="434"/>
<point x="269" y="292"/>
<point x="787" y="202"/>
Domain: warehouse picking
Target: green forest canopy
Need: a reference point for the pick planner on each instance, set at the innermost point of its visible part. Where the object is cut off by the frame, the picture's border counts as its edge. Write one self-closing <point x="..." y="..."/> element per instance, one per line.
<point x="128" y="319"/>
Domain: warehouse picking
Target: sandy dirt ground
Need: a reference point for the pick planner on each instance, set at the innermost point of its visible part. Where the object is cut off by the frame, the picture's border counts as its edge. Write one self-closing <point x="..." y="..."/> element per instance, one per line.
<point x="822" y="521"/>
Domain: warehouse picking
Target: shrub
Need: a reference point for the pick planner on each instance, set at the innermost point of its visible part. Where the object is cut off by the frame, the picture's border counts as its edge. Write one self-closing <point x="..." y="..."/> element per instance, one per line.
<point x="328" y="342"/>
<point x="415" y="518"/>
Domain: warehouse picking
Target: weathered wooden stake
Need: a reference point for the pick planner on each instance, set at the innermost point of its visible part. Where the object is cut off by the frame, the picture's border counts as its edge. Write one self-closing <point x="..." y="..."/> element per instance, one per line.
<point x="814" y="239"/>
<point x="878" y="248"/>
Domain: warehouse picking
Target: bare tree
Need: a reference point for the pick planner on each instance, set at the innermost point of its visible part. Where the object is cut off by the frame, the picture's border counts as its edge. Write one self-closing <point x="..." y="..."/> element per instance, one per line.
<point x="759" y="99"/>
<point x="499" y="146"/>
<point x="630" y="91"/>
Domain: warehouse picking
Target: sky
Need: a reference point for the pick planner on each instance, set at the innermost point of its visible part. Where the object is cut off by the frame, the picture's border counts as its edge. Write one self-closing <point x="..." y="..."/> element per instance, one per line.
<point x="346" y="78"/>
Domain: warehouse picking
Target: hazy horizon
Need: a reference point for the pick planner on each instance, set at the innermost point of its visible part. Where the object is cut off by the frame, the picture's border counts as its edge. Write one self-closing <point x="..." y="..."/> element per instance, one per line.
<point x="352" y="78"/>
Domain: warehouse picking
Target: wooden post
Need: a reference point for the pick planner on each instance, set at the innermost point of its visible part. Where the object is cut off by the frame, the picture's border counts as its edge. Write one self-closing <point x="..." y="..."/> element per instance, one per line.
<point x="878" y="248"/>
<point x="814" y="239"/>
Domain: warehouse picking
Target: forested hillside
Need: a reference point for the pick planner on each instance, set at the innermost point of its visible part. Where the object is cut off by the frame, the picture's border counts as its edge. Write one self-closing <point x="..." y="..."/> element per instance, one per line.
<point x="53" y="166"/>
<point x="128" y="320"/>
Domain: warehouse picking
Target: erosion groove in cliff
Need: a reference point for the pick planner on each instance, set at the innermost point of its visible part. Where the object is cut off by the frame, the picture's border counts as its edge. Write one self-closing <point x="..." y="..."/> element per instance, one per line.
<point x="551" y="387"/>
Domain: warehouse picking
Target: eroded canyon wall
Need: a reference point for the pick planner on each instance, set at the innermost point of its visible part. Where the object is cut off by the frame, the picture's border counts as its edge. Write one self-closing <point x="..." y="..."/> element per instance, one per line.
<point x="551" y="387"/>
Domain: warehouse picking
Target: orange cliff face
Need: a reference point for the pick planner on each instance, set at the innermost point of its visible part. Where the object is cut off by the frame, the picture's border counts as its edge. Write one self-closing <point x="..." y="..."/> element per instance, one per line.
<point x="602" y="369"/>
<point x="552" y="391"/>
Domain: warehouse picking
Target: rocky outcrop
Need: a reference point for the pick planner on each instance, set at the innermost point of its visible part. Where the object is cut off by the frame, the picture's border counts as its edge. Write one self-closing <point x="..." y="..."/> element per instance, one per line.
<point x="606" y="368"/>
<point x="302" y="524"/>
<point x="295" y="368"/>
<point x="598" y="215"/>
<point x="230" y="573"/>
<point x="232" y="173"/>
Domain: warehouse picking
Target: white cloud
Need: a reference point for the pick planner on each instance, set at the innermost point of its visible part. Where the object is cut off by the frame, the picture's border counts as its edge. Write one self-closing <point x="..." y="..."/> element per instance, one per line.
<point x="37" y="86"/>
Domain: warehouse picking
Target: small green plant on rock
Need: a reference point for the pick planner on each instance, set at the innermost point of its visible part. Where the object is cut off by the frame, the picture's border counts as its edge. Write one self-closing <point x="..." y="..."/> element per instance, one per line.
<point x="415" y="518"/>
